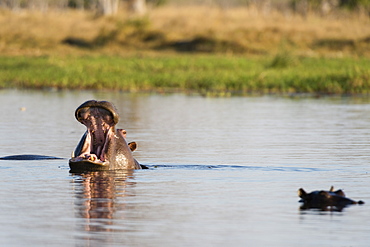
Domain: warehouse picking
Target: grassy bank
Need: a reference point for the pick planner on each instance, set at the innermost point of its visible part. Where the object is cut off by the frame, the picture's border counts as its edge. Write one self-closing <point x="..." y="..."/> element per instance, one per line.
<point x="202" y="49"/>
<point x="206" y="74"/>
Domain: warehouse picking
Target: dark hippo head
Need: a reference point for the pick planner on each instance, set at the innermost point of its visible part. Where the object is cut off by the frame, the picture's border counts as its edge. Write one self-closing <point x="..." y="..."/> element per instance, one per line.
<point x="102" y="147"/>
<point x="325" y="200"/>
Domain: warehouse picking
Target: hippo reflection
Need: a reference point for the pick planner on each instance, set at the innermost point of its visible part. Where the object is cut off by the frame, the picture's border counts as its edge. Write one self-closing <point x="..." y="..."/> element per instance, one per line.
<point x="325" y="200"/>
<point x="100" y="199"/>
<point x="102" y="147"/>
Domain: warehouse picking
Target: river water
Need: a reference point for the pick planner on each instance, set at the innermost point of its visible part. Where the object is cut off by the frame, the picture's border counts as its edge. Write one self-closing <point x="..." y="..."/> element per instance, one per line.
<point x="223" y="172"/>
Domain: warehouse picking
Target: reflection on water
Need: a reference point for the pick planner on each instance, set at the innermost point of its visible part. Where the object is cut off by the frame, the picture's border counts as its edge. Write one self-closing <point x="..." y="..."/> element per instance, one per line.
<point x="99" y="196"/>
<point x="224" y="172"/>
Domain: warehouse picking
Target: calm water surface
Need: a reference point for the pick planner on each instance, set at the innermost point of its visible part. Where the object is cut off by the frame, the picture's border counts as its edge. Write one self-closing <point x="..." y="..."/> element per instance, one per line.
<point x="224" y="172"/>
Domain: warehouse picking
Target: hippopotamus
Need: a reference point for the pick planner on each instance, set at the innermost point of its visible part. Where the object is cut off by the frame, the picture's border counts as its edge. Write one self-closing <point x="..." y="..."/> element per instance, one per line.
<point x="102" y="146"/>
<point x="35" y="156"/>
<point x="325" y="200"/>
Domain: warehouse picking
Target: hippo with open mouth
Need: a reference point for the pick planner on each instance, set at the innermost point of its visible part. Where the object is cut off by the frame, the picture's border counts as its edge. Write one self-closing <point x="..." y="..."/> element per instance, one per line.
<point x="102" y="147"/>
<point x="325" y="200"/>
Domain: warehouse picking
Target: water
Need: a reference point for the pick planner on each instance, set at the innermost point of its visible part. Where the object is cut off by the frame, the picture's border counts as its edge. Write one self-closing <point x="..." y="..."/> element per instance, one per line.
<point x="224" y="172"/>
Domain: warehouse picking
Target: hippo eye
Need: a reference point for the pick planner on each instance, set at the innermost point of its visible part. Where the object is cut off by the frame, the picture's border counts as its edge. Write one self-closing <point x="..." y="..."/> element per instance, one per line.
<point x="324" y="193"/>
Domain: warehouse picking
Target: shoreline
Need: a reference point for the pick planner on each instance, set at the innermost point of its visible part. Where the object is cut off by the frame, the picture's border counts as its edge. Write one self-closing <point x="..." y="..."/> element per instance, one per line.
<point x="203" y="74"/>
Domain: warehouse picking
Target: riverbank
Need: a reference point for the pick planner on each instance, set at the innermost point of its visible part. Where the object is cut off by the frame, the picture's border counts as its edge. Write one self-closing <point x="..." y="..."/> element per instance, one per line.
<point x="205" y="74"/>
<point x="173" y="49"/>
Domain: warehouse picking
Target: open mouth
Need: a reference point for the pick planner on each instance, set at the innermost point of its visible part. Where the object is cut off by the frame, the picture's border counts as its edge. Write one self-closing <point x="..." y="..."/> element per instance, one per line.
<point x="99" y="117"/>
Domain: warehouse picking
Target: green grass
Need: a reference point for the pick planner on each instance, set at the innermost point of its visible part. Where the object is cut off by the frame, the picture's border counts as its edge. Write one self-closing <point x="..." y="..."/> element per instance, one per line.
<point x="206" y="74"/>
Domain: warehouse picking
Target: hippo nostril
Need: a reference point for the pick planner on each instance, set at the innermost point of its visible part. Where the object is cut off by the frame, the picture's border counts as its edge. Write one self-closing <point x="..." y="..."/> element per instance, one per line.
<point x="82" y="114"/>
<point x="79" y="117"/>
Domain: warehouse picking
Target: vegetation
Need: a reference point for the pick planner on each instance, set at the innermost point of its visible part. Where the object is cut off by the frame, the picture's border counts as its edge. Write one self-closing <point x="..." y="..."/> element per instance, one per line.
<point x="210" y="74"/>
<point x="111" y="6"/>
<point x="240" y="50"/>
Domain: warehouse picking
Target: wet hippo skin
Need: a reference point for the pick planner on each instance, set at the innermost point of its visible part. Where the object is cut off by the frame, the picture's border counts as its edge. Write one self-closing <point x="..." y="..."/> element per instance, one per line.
<point x="325" y="200"/>
<point x="29" y="157"/>
<point x="102" y="146"/>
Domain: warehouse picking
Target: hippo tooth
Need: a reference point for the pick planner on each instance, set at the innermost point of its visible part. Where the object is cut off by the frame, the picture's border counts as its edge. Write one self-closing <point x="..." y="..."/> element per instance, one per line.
<point x="73" y="154"/>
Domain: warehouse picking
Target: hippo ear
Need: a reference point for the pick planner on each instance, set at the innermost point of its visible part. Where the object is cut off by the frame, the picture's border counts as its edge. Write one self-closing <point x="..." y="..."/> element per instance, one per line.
<point x="331" y="189"/>
<point x="302" y="193"/>
<point x="132" y="146"/>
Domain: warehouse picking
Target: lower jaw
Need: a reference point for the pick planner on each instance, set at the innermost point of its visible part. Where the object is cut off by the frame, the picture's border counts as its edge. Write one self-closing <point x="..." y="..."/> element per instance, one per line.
<point x="87" y="165"/>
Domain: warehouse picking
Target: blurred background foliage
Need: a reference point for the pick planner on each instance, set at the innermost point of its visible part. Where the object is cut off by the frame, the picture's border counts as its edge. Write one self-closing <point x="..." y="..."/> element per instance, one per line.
<point x="298" y="6"/>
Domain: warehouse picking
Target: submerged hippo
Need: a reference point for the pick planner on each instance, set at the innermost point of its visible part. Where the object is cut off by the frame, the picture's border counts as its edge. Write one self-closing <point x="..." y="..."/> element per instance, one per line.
<point x="33" y="157"/>
<point x="102" y="147"/>
<point x="325" y="200"/>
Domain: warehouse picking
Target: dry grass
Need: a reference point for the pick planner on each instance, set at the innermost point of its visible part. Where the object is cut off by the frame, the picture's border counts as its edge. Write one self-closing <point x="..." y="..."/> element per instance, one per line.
<point x="32" y="32"/>
<point x="265" y="33"/>
<point x="202" y="29"/>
